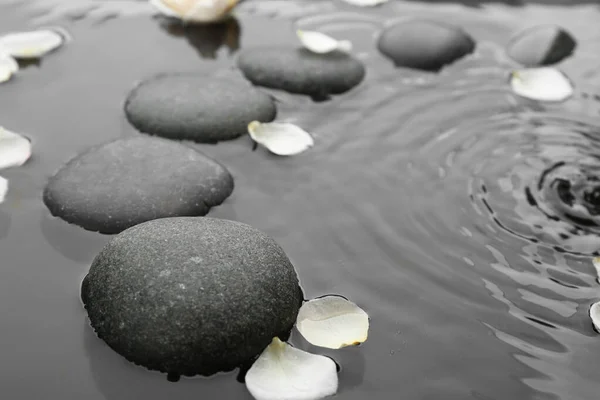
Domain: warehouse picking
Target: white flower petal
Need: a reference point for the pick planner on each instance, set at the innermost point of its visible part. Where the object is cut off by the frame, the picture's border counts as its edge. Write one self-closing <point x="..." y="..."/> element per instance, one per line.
<point x="365" y="3"/>
<point x="162" y="8"/>
<point x="595" y="315"/>
<point x="283" y="139"/>
<point x="8" y="67"/>
<point x="283" y="372"/>
<point x="3" y="189"/>
<point x="15" y="149"/>
<point x="544" y="84"/>
<point x="320" y="43"/>
<point x="201" y="11"/>
<point x="596" y="262"/>
<point x="32" y="44"/>
<point x="332" y="322"/>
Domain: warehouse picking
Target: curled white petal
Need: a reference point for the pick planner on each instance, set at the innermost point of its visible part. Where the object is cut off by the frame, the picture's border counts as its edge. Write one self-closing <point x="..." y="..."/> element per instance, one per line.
<point x="15" y="149"/>
<point x="283" y="372"/>
<point x="283" y="139"/>
<point x="320" y="43"/>
<point x="333" y="322"/>
<point x="8" y="67"/>
<point x="595" y="315"/>
<point x="32" y="44"/>
<point x="201" y="11"/>
<point x="3" y="189"/>
<point x="596" y="262"/>
<point x="365" y="3"/>
<point x="543" y="84"/>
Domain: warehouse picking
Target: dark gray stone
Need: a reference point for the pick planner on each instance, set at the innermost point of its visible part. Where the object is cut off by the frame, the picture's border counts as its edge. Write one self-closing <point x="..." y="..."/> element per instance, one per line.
<point x="541" y="45"/>
<point x="301" y="71"/>
<point x="190" y="296"/>
<point x="424" y="44"/>
<point x="196" y="107"/>
<point x="114" y="186"/>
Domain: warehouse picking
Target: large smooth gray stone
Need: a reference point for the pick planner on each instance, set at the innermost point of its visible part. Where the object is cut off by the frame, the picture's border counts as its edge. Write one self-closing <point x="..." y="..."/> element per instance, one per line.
<point x="191" y="296"/>
<point x="196" y="107"/>
<point x="424" y="44"/>
<point x="114" y="186"/>
<point x="301" y="71"/>
<point x="541" y="45"/>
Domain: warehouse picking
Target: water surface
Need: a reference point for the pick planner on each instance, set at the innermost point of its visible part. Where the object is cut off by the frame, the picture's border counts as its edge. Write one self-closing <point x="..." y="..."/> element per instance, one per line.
<point x="460" y="217"/>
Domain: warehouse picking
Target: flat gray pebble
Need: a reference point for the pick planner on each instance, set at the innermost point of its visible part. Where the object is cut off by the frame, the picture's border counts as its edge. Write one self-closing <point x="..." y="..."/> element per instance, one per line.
<point x="541" y="45"/>
<point x="424" y="44"/>
<point x="196" y="107"/>
<point x="189" y="296"/>
<point x="301" y="71"/>
<point x="116" y="185"/>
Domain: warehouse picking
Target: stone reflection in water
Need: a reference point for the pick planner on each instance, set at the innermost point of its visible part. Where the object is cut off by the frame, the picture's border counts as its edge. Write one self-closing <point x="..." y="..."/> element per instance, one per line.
<point x="207" y="39"/>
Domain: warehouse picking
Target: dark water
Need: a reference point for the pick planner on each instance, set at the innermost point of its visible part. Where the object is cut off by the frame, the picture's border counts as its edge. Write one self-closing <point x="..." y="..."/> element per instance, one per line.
<point x="460" y="217"/>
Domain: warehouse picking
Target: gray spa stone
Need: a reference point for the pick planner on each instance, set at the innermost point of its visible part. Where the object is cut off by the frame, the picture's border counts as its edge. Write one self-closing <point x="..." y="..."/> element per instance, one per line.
<point x="301" y="71"/>
<point x="116" y="185"/>
<point x="196" y="107"/>
<point x="541" y="45"/>
<point x="190" y="296"/>
<point x="424" y="44"/>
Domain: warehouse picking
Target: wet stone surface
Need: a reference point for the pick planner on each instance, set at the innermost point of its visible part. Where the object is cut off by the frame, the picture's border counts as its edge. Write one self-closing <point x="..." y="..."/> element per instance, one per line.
<point x="191" y="296"/>
<point x="116" y="185"/>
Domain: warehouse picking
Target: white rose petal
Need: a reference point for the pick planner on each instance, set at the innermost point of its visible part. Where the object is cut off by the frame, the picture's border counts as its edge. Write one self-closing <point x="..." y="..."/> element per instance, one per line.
<point x="596" y="263"/>
<point x="332" y="322"/>
<point x="595" y="315"/>
<point x="200" y="11"/>
<point x="320" y="43"/>
<point x="283" y="139"/>
<point x="366" y="3"/>
<point x="15" y="149"/>
<point x="283" y="372"/>
<point x="8" y="66"/>
<point x="32" y="44"/>
<point x="3" y="189"/>
<point x="543" y="84"/>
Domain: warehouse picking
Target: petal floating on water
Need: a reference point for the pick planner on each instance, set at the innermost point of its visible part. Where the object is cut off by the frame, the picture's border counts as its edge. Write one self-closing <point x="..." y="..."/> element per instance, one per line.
<point x="165" y="10"/>
<point x="15" y="149"/>
<point x="32" y="44"/>
<point x="283" y="139"/>
<point x="3" y="189"/>
<point x="8" y="67"/>
<point x="543" y="84"/>
<point x="595" y="315"/>
<point x="332" y="322"/>
<point x="596" y="262"/>
<point x="284" y="372"/>
<point x="320" y="43"/>
<point x="201" y="11"/>
<point x="365" y="3"/>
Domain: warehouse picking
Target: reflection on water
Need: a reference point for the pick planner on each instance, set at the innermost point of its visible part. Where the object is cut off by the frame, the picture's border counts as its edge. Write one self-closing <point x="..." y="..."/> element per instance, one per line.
<point x="207" y="39"/>
<point x="461" y="217"/>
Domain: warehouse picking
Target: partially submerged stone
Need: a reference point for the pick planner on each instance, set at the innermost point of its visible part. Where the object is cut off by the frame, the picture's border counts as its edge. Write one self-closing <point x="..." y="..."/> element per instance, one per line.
<point x="114" y="186"/>
<point x="196" y="107"/>
<point x="424" y="44"/>
<point x="541" y="45"/>
<point x="301" y="71"/>
<point x="191" y="296"/>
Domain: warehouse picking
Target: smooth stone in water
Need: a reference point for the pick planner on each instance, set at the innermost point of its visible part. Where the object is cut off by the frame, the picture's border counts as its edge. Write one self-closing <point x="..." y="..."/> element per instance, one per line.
<point x="541" y="45"/>
<point x="196" y="107"/>
<point x="424" y="44"/>
<point x="301" y="71"/>
<point x="189" y="296"/>
<point x="114" y="186"/>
